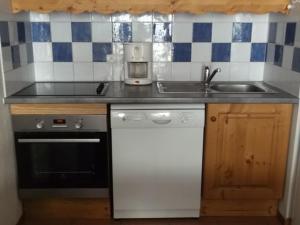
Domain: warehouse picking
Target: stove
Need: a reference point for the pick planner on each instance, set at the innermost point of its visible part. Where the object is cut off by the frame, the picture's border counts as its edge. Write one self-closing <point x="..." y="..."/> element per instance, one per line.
<point x="65" y="89"/>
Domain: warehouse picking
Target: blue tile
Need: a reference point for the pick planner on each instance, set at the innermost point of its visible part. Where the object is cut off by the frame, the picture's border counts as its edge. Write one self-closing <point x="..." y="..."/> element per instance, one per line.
<point x="29" y="50"/>
<point x="41" y="32"/>
<point x="272" y="32"/>
<point x="4" y="34"/>
<point x="290" y="33"/>
<point x="15" y="56"/>
<point x="28" y="32"/>
<point x="162" y="32"/>
<point x="296" y="60"/>
<point x="100" y="51"/>
<point x="21" y="32"/>
<point x="122" y="32"/>
<point x="62" y="52"/>
<point x="81" y="32"/>
<point x="241" y="32"/>
<point x="202" y="32"/>
<point x="182" y="52"/>
<point x="258" y="52"/>
<point x="278" y="55"/>
<point x="221" y="52"/>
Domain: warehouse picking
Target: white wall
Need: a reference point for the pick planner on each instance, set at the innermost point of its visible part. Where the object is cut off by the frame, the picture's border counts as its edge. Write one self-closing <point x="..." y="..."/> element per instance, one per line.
<point x="10" y="206"/>
<point x="288" y="80"/>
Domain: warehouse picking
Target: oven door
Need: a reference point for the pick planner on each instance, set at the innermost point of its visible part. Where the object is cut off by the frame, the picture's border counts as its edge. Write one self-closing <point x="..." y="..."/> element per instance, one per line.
<point x="62" y="160"/>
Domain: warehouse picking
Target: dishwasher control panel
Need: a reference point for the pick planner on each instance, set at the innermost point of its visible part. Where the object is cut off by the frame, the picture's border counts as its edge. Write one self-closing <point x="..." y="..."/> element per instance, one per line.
<point x="157" y="117"/>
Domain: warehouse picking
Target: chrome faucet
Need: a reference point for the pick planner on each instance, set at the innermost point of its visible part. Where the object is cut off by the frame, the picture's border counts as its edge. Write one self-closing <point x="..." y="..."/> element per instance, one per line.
<point x="209" y="76"/>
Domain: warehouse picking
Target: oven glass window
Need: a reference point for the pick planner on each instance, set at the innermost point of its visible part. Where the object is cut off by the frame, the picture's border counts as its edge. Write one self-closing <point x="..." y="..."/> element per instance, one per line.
<point x="62" y="161"/>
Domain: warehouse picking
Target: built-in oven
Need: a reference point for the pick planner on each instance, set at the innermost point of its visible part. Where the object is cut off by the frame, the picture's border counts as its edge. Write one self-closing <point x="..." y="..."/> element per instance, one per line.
<point x="62" y="155"/>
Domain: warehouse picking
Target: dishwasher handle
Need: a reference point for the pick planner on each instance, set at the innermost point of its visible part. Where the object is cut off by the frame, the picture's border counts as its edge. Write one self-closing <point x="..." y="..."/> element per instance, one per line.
<point x="162" y="122"/>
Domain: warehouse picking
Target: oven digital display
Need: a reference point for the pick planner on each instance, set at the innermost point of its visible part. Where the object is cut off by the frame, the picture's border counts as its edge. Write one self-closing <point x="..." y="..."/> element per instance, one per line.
<point x="59" y="121"/>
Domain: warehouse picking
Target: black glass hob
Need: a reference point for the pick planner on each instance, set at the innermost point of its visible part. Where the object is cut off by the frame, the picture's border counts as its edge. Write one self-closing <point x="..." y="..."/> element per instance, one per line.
<point x="65" y="89"/>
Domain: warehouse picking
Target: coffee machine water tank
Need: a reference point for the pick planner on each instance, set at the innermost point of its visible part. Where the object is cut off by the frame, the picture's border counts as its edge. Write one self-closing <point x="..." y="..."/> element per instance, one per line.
<point x="138" y="63"/>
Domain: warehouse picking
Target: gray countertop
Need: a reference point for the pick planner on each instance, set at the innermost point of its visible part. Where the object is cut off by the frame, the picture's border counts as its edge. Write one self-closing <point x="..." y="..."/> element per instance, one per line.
<point x="119" y="92"/>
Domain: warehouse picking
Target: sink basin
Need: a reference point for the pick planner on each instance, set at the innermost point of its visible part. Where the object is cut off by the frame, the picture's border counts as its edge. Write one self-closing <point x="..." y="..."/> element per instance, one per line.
<point x="237" y="88"/>
<point x="180" y="87"/>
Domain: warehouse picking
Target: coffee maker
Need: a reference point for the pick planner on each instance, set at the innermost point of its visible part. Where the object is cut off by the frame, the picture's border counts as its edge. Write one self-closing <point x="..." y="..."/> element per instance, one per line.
<point x="138" y="63"/>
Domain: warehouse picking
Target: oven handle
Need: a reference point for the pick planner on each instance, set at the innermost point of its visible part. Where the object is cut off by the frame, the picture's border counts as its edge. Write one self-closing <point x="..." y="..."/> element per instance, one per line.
<point x="59" y="140"/>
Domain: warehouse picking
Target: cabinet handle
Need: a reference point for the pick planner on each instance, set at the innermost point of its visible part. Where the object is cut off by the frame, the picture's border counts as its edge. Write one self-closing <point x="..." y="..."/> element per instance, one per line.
<point x="213" y="119"/>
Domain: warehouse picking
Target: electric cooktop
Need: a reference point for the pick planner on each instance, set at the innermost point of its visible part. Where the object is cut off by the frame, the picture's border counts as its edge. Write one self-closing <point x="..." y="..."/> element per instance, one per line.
<point x="65" y="89"/>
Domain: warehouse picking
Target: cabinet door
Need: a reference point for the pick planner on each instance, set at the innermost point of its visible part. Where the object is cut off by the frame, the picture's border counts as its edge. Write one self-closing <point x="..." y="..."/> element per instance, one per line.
<point x="246" y="150"/>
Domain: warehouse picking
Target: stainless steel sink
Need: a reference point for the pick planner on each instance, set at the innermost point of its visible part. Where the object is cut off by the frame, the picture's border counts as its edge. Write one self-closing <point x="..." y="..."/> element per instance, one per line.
<point x="172" y="87"/>
<point x="180" y="87"/>
<point x="237" y="88"/>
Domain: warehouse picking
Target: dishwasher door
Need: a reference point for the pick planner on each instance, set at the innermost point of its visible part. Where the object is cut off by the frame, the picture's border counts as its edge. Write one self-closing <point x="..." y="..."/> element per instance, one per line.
<point x="157" y="161"/>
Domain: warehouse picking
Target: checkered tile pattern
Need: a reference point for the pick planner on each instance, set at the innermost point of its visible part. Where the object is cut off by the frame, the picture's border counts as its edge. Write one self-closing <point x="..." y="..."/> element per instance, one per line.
<point x="65" y="46"/>
<point x="16" y="42"/>
<point x="284" y="45"/>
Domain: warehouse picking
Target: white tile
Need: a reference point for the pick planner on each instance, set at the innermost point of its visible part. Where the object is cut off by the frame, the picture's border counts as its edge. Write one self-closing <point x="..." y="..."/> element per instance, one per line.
<point x="83" y="72"/>
<point x="201" y="52"/>
<point x="260" y="32"/>
<point x="197" y="71"/>
<point x="82" y="17"/>
<point x="39" y="17"/>
<point x="63" y="71"/>
<point x="147" y="17"/>
<point x="270" y="53"/>
<point x="222" y="32"/>
<point x="157" y="17"/>
<point x="280" y="35"/>
<point x="23" y="54"/>
<point x="162" y="52"/>
<point x="7" y="60"/>
<point x="204" y="18"/>
<point x="60" y="17"/>
<point x="221" y="17"/>
<point x="184" y="17"/>
<point x="288" y="54"/>
<point x="118" y="71"/>
<point x="43" y="71"/>
<point x="102" y="71"/>
<point x="122" y="17"/>
<point x="82" y="52"/>
<point x="181" y="71"/>
<point x="224" y="75"/>
<point x="13" y="33"/>
<point x="256" y="71"/>
<point x="61" y="32"/>
<point x="141" y="32"/>
<point x="240" y="52"/>
<point x="97" y="17"/>
<point x="118" y="48"/>
<point x="182" y="32"/>
<point x="162" y="71"/>
<point x="239" y="72"/>
<point x="42" y="52"/>
<point x="102" y="32"/>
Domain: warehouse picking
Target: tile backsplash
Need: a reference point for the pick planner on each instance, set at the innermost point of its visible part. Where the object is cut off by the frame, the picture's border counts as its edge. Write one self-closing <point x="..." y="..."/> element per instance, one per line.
<point x="89" y="47"/>
<point x="17" y="51"/>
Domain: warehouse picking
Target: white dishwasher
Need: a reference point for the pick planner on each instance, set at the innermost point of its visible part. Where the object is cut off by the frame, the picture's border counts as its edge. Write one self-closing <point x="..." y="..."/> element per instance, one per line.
<point x="157" y="160"/>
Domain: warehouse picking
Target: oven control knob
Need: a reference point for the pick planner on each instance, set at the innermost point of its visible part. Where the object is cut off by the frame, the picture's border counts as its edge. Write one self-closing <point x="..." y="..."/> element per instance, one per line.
<point x="78" y="125"/>
<point x="40" y="124"/>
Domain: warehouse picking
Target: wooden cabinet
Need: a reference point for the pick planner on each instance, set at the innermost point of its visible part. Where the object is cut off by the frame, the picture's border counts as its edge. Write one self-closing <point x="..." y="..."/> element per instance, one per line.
<point x="143" y="6"/>
<point x="245" y="155"/>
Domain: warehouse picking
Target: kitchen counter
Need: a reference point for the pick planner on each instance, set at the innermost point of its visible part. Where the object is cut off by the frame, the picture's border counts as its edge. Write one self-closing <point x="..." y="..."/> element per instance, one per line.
<point x="118" y="92"/>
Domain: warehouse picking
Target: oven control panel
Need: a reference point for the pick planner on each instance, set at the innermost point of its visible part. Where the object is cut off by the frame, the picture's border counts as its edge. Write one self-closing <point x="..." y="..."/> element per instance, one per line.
<point x="60" y="123"/>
